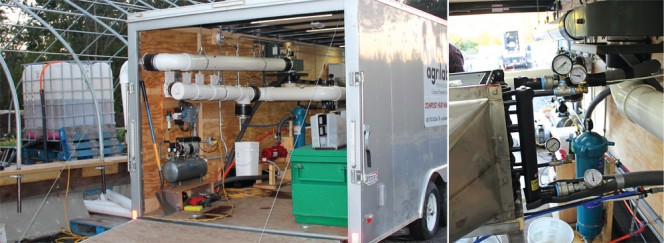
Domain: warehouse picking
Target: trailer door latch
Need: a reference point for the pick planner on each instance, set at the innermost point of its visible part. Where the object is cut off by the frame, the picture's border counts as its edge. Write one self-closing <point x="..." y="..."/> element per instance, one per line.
<point x="356" y="177"/>
<point x="357" y="78"/>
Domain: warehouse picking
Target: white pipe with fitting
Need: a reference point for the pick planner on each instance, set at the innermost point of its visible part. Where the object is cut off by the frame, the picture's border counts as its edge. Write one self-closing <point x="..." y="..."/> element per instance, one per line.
<point x="641" y="104"/>
<point x="182" y="91"/>
<point x="315" y="93"/>
<point x="244" y="95"/>
<point x="191" y="62"/>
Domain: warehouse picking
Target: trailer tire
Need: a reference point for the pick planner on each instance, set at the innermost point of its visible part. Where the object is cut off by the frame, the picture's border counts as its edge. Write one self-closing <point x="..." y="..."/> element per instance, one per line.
<point x="424" y="228"/>
<point x="443" y="206"/>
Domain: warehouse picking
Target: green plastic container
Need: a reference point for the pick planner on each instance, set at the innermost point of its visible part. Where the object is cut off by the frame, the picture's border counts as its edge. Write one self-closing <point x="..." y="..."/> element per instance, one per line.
<point x="320" y="193"/>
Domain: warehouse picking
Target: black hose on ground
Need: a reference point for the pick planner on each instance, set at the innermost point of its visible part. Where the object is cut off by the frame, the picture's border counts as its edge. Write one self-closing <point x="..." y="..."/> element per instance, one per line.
<point x="601" y="96"/>
<point x="616" y="182"/>
<point x="242" y="178"/>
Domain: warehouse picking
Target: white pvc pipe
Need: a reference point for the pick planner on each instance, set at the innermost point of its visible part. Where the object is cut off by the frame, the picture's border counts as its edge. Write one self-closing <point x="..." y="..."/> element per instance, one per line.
<point x="190" y="62"/>
<point x="316" y="93"/>
<point x="118" y="198"/>
<point x="107" y="207"/>
<point x="641" y="104"/>
<point x="182" y="91"/>
<point x="243" y="95"/>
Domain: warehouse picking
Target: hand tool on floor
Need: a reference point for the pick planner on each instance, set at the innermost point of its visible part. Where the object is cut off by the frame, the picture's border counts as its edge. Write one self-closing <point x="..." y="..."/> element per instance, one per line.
<point x="168" y="208"/>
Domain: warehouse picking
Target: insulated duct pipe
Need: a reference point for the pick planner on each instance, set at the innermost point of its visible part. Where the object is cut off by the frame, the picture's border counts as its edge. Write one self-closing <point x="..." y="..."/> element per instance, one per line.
<point x="556" y="30"/>
<point x="191" y="62"/>
<point x="244" y="95"/>
<point x="640" y="103"/>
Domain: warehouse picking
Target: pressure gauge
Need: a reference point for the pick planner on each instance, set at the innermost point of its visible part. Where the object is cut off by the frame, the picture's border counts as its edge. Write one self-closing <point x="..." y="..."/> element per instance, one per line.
<point x="577" y="74"/>
<point x="552" y="144"/>
<point x="562" y="64"/>
<point x="592" y="177"/>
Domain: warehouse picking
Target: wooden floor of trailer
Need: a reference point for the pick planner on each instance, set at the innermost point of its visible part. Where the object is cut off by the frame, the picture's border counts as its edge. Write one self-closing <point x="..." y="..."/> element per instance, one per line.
<point x="245" y="225"/>
<point x="142" y="230"/>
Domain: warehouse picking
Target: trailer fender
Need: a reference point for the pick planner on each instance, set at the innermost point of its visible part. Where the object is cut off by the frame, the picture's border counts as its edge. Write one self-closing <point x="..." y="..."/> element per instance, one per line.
<point x="437" y="171"/>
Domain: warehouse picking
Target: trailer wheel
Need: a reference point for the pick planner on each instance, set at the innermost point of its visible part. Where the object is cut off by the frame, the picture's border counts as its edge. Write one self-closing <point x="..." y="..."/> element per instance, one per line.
<point x="427" y="226"/>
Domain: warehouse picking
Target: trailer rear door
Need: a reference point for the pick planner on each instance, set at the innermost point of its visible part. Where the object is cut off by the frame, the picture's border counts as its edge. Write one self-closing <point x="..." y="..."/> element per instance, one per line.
<point x="396" y="117"/>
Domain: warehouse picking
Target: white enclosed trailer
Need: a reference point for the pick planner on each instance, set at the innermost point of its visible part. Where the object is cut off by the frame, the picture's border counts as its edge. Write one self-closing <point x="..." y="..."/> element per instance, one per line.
<point x="395" y="91"/>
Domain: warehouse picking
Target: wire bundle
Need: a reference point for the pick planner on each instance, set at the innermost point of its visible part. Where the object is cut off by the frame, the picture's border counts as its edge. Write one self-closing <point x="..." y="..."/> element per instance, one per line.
<point x="237" y="193"/>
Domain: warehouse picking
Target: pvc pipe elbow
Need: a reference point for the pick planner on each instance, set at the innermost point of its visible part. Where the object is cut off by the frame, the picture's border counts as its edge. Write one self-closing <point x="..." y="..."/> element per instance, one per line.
<point x="330" y="93"/>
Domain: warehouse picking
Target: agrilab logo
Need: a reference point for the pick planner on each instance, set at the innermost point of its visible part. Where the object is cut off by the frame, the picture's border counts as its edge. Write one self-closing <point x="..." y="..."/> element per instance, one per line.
<point x="436" y="73"/>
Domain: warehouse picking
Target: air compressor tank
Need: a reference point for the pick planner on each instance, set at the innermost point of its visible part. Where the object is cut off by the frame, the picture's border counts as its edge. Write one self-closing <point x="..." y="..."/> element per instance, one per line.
<point x="589" y="149"/>
<point x="185" y="169"/>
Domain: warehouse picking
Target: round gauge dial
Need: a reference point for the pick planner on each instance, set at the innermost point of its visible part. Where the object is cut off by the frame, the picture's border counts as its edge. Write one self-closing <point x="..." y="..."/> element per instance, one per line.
<point x="592" y="177"/>
<point x="552" y="145"/>
<point x="562" y="64"/>
<point x="577" y="74"/>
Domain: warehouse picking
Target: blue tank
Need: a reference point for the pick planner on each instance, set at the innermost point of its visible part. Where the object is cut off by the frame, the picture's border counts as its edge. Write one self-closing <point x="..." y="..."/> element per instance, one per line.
<point x="589" y="149"/>
<point x="298" y="126"/>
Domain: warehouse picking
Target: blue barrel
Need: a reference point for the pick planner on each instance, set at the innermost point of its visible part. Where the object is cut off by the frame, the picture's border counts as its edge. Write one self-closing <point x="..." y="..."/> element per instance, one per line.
<point x="589" y="149"/>
<point x="298" y="126"/>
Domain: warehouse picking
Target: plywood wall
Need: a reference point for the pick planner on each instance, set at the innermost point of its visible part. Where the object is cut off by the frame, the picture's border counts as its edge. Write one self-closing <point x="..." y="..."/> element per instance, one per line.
<point x="186" y="41"/>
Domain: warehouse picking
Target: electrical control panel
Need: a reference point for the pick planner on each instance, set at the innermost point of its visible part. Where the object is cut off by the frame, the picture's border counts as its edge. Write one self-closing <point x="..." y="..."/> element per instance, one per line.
<point x="328" y="130"/>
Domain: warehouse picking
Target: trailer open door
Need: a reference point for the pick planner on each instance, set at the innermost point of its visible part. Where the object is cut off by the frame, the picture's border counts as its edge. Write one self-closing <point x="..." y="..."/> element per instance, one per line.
<point x="396" y="115"/>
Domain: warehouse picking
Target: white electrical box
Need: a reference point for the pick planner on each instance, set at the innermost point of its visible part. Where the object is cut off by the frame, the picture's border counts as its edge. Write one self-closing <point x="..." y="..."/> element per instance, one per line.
<point x="328" y="130"/>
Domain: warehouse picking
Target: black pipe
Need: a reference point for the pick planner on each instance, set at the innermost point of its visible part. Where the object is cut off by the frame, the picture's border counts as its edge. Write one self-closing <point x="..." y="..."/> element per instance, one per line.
<point x="19" y="207"/>
<point x="533" y="83"/>
<point x="44" y="136"/>
<point x="242" y="178"/>
<point x="281" y="123"/>
<point x="264" y="125"/>
<point x="525" y="117"/>
<point x="540" y="93"/>
<point x="633" y="179"/>
<point x="538" y="165"/>
<point x="639" y="70"/>
<point x="601" y="96"/>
